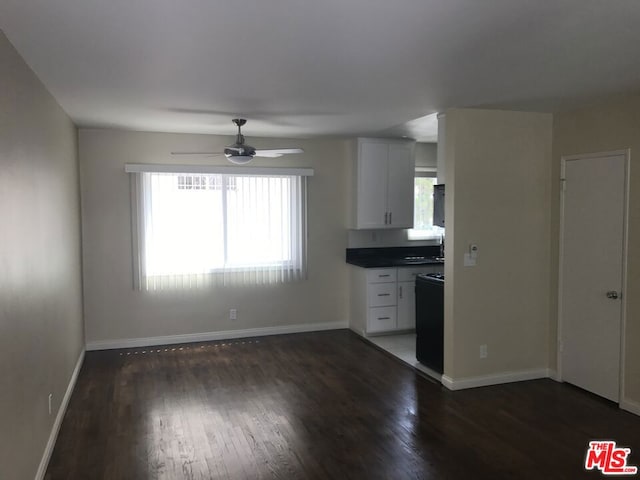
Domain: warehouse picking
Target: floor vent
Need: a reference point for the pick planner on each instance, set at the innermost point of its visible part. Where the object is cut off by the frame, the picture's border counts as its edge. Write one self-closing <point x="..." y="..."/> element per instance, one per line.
<point x="206" y="346"/>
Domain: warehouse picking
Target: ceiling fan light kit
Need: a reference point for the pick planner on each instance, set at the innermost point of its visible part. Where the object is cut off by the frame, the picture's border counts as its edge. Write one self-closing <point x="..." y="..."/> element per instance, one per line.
<point x="239" y="159"/>
<point x="241" y="153"/>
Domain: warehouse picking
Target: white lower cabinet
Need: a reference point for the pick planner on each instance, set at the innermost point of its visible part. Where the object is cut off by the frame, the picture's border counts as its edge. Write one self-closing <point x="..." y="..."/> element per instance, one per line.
<point x="383" y="299"/>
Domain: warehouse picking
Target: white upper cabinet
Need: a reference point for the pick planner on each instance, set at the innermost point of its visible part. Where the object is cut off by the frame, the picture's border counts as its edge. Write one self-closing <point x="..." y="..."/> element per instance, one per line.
<point x="384" y="172"/>
<point x="400" y="196"/>
<point x="371" y="190"/>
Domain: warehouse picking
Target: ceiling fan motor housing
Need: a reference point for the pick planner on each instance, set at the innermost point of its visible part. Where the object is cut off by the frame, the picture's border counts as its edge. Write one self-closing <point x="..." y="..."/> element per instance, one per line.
<point x="239" y="152"/>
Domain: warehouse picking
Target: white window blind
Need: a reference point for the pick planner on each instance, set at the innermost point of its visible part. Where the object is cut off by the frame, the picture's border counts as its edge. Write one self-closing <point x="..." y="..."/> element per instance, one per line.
<point x="200" y="229"/>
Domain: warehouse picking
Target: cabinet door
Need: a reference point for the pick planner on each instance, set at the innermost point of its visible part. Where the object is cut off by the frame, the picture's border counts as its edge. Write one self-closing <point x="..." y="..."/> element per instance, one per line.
<point x="400" y="187"/>
<point x="371" y="201"/>
<point x="406" y="306"/>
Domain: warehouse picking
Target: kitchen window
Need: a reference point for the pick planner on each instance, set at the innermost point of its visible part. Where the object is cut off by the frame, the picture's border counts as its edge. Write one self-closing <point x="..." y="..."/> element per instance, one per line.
<point x="423" y="227"/>
<point x="200" y="229"/>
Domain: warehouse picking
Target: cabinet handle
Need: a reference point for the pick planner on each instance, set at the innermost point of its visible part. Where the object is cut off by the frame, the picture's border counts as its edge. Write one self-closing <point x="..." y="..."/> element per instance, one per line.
<point x="386" y="217"/>
<point x="385" y="275"/>
<point x="400" y="291"/>
<point x="390" y="216"/>
<point x="384" y="318"/>
<point x="384" y="294"/>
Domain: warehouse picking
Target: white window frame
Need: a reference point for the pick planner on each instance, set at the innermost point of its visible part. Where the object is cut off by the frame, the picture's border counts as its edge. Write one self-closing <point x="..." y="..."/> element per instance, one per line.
<point x="136" y="185"/>
<point x="412" y="233"/>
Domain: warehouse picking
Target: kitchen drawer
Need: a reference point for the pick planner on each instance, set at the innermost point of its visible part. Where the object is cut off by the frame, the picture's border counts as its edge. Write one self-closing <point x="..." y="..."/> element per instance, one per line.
<point x="381" y="294"/>
<point x="379" y="275"/>
<point x="408" y="274"/>
<point x="381" y="319"/>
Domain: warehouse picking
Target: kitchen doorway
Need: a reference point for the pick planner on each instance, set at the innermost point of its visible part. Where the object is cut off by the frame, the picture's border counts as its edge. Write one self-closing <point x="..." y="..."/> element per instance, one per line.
<point x="593" y="232"/>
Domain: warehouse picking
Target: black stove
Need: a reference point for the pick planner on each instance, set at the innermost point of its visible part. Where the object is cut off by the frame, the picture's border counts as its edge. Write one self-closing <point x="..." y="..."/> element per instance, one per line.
<point x="432" y="276"/>
<point x="430" y="320"/>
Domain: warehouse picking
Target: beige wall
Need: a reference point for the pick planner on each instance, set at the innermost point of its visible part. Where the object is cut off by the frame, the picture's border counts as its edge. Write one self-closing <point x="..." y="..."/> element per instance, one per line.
<point x="41" y="333"/>
<point x="612" y="125"/>
<point x="114" y="310"/>
<point x="498" y="171"/>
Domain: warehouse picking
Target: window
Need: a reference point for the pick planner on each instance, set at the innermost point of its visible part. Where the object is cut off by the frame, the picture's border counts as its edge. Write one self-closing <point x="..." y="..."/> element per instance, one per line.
<point x="196" y="229"/>
<point x="423" y="227"/>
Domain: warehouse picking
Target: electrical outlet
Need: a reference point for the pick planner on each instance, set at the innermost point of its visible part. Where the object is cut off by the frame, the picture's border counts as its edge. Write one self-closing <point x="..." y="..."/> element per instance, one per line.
<point x="483" y="351"/>
<point x="233" y="314"/>
<point x="50" y="401"/>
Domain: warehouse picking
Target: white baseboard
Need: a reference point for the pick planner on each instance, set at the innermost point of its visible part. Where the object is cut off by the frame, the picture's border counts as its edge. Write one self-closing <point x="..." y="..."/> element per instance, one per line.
<point x="357" y="331"/>
<point x="486" y="380"/>
<point x="46" y="456"/>
<point x="210" y="336"/>
<point x="554" y="375"/>
<point x="630" y="406"/>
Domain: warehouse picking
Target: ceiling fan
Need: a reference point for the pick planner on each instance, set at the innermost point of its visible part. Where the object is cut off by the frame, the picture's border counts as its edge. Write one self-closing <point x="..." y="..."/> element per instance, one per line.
<point x="241" y="153"/>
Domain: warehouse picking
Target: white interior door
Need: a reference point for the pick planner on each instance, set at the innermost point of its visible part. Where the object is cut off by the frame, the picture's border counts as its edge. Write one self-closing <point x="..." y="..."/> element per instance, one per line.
<point x="592" y="255"/>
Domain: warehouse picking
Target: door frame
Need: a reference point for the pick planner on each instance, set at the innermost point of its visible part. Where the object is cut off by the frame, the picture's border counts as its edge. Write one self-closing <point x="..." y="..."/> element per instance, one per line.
<point x="625" y="241"/>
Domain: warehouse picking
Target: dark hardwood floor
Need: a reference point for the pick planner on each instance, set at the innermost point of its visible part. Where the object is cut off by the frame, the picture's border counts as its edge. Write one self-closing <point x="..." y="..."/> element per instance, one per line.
<point x="321" y="406"/>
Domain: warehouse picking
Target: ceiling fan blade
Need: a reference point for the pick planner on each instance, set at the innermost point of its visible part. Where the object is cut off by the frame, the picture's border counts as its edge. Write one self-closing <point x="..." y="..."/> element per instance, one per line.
<point x="277" y="152"/>
<point x="207" y="154"/>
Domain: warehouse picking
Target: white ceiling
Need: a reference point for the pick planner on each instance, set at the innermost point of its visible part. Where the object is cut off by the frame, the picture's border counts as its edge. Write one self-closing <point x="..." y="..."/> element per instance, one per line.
<point x="323" y="67"/>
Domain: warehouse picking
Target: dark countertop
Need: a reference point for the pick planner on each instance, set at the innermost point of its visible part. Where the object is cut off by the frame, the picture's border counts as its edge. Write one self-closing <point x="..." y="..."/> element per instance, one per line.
<point x="394" y="256"/>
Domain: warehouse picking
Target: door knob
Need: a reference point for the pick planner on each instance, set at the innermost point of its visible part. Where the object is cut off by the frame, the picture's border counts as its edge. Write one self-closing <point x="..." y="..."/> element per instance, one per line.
<point x="612" y="294"/>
